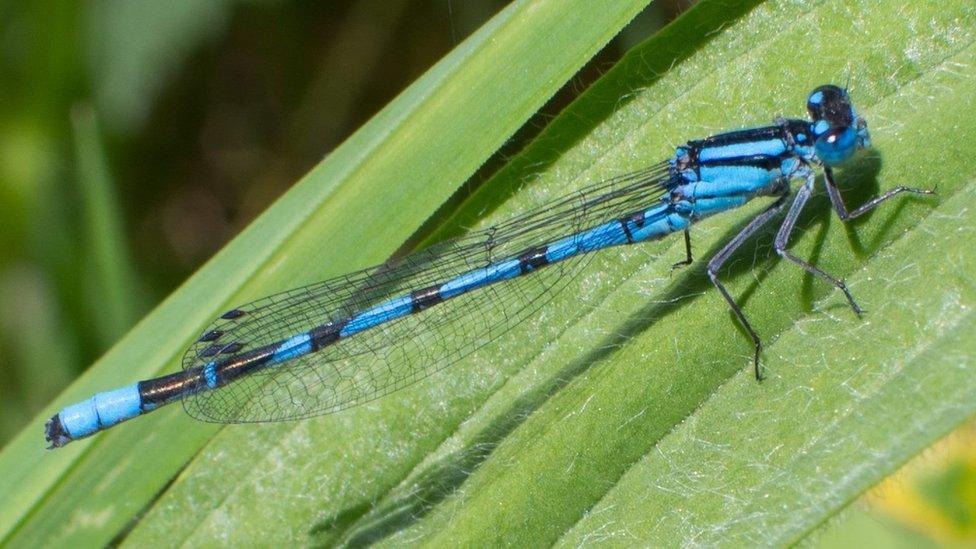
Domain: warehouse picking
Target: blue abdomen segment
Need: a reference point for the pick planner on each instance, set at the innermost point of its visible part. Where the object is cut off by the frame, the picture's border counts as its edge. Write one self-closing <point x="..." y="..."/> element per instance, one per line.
<point x="384" y="312"/>
<point x="101" y="411"/>
<point x="659" y="225"/>
<point x="480" y="277"/>
<point x="293" y="347"/>
<point x="608" y="234"/>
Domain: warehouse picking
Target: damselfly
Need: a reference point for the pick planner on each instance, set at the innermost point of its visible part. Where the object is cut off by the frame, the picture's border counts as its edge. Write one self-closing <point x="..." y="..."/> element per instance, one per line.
<point x="332" y="345"/>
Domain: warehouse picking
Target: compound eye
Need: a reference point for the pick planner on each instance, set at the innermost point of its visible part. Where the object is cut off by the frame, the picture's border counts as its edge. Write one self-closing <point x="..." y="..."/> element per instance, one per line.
<point x="836" y="145"/>
<point x="830" y="104"/>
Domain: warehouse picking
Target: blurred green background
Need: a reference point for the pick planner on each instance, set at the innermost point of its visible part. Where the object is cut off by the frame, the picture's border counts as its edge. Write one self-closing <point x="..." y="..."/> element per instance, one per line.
<point x="136" y="138"/>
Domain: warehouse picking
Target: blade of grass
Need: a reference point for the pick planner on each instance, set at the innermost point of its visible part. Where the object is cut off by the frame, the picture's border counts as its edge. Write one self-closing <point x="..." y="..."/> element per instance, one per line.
<point x="412" y="154"/>
<point x="115" y="300"/>
<point x="564" y="421"/>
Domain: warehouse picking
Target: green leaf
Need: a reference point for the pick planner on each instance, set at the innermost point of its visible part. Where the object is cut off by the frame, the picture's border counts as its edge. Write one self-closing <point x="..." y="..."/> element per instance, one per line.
<point x="412" y="155"/>
<point x="627" y="412"/>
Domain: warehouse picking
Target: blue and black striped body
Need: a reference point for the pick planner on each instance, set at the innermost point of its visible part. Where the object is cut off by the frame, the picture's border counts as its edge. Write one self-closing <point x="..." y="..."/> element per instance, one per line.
<point x="703" y="178"/>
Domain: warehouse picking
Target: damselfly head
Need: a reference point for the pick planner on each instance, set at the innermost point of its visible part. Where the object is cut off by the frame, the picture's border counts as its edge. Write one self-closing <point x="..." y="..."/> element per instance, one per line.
<point x="837" y="129"/>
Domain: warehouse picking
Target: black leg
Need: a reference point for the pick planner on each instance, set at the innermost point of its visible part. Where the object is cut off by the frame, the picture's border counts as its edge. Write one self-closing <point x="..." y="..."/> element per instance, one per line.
<point x="687" y="260"/>
<point x="723" y="255"/>
<point x="783" y="237"/>
<point x="838" y="201"/>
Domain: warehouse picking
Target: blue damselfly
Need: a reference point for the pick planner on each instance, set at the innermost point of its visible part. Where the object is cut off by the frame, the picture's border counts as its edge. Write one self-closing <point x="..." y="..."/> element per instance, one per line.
<point x="332" y="345"/>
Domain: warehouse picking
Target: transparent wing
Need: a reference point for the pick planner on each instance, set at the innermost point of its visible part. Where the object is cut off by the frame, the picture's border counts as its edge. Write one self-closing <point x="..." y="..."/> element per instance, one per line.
<point x="395" y="354"/>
